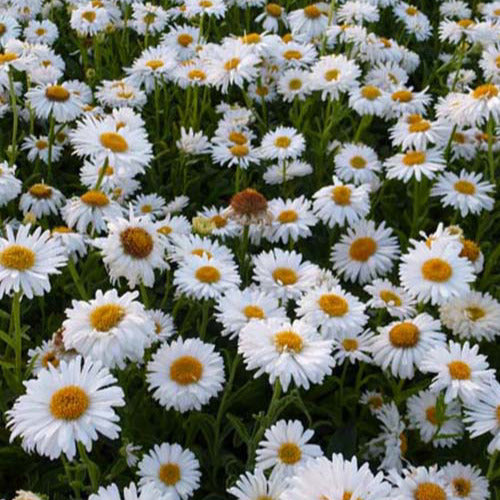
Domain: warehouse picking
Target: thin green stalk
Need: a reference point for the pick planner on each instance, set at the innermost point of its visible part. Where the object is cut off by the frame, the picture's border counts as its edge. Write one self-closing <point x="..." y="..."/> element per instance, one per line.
<point x="77" y="280"/>
<point x="204" y="318"/>
<point x="89" y="465"/>
<point x="144" y="294"/>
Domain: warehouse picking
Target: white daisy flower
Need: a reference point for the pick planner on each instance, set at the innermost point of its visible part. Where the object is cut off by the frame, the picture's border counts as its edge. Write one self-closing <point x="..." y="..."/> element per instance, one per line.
<point x="311" y="21"/>
<point x="286" y="351"/>
<point x="283" y="143"/>
<point x="74" y="244"/>
<point x="394" y="299"/>
<point x="285" y="448"/>
<point x="224" y="227"/>
<point x="174" y="471"/>
<point x="185" y="374"/>
<point x="466" y="481"/>
<point x="357" y="163"/>
<point x="271" y="17"/>
<point x="10" y="185"/>
<point x="460" y="371"/>
<point x="41" y="199"/>
<point x="41" y="32"/>
<point x="416" y="132"/>
<point x="151" y="205"/>
<point x="193" y="143"/>
<point x="414" y="163"/>
<point x="89" y="19"/>
<point x="352" y="345"/>
<point x="164" y="324"/>
<point x="111" y="492"/>
<point x="252" y="486"/>
<point x="61" y="407"/>
<point x="369" y="99"/>
<point x="420" y="483"/>
<point x="296" y="168"/>
<point x="174" y="227"/>
<point x="184" y="246"/>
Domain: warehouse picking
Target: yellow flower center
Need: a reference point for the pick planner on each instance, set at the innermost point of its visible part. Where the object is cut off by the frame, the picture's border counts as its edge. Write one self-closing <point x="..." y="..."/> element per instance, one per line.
<point x="149" y="18"/>
<point x="362" y="249"/>
<point x="273" y="9"/>
<point x="7" y="57"/>
<point x="475" y="313"/>
<point x="420" y="126"/>
<point x="3" y="29"/>
<point x="219" y="221"/>
<point x="251" y="38"/>
<point x="50" y="358"/>
<point x="154" y="64"/>
<point x="332" y="74"/>
<point x="238" y="138"/>
<point x="69" y="403"/>
<point x="285" y="276"/>
<point x="357" y="162"/>
<point x="253" y="312"/>
<point x="200" y="252"/>
<point x="464" y="187"/>
<point x="470" y="250"/>
<point x="429" y="491"/>
<point x="292" y="55"/>
<point x="430" y="414"/>
<point x="402" y="96"/>
<point x="466" y="23"/>
<point x="113" y="141"/>
<point x="404" y="335"/>
<point x="390" y="298"/>
<point x="289" y="453"/>
<point x="459" y="370"/>
<point x="375" y="402"/>
<point x="165" y="230"/>
<point x="461" y="486"/>
<point x="197" y="74"/>
<point x="205" y="4"/>
<point x="370" y="92"/>
<point x="95" y="198"/>
<point x="412" y="11"/>
<point x="184" y="39"/>
<point x="350" y="344"/>
<point x="333" y="305"/>
<point x="282" y="141"/>
<point x="414" y="158"/>
<point x="232" y="64"/>
<point x="136" y="242"/>
<point x="288" y="216"/>
<point x="186" y="370"/>
<point x="146" y="209"/>
<point x="295" y="84"/>
<point x="437" y="270"/>
<point x="89" y="16"/>
<point x="341" y="195"/>
<point x="403" y="445"/>
<point x="41" y="191"/>
<point x="17" y="257"/>
<point x="312" y="12"/>
<point x="486" y="91"/>
<point x="239" y="150"/>
<point x="207" y="274"/>
<point x="62" y="230"/>
<point x="104" y="318"/>
<point x="169" y="474"/>
<point x="288" y="341"/>
<point x="57" y="93"/>
<point x="287" y="38"/>
<point x="262" y="90"/>
<point x="41" y="144"/>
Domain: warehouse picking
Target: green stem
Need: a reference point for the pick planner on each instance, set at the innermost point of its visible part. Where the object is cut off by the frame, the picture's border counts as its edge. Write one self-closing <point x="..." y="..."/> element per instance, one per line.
<point x="89" y="465"/>
<point x="204" y="318"/>
<point x="144" y="294"/>
<point x="77" y="280"/>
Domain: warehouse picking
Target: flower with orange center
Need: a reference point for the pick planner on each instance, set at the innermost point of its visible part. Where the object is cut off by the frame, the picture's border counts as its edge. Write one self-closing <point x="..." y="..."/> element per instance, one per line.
<point x="362" y="249"/>
<point x="248" y="206"/>
<point x="57" y="93"/>
<point x="40" y="191"/>
<point x="114" y="142"/>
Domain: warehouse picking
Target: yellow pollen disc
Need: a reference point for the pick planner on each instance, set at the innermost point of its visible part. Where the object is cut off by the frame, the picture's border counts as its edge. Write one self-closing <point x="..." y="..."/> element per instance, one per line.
<point x="41" y="191"/>
<point x="420" y="126"/>
<point x="413" y="158"/>
<point x="262" y="91"/>
<point x="341" y="195"/>
<point x="62" y="230"/>
<point x="205" y="4"/>
<point x="89" y="16"/>
<point x="289" y="453"/>
<point x="295" y="84"/>
<point x="165" y="230"/>
<point x="154" y="64"/>
<point x="288" y="216"/>
<point x="288" y="341"/>
<point x="136" y="242"/>
<point x="253" y="312"/>
<point x="232" y="64"/>
<point x="264" y="497"/>
<point x="357" y="162"/>
<point x="95" y="199"/>
<point x="362" y="249"/>
<point x="207" y="274"/>
<point x="412" y="11"/>
<point x="370" y="92"/>
<point x="219" y="221"/>
<point x="459" y="138"/>
<point x="487" y="91"/>
<point x="238" y="138"/>
<point x="312" y="12"/>
<point x="104" y="318"/>
<point x="430" y="414"/>
<point x="125" y="95"/>
<point x="466" y="23"/>
<point x="197" y="74"/>
<point x="50" y="358"/>
<point x="57" y="93"/>
<point x="461" y="486"/>
<point x="287" y="38"/>
<point x="376" y="402"/>
<point x="459" y="370"/>
<point x="149" y="18"/>
<point x="332" y="74"/>
<point x="414" y="118"/>
<point x="273" y="9"/>
<point x="390" y="298"/>
<point x="41" y="144"/>
<point x="347" y="495"/>
<point x="464" y="187"/>
<point x="186" y="370"/>
<point x="282" y="141"/>
<point x="285" y="276"/>
<point x="107" y="171"/>
<point x="350" y="344"/>
<point x="497" y="62"/>
<point x="402" y="96"/>
<point x="292" y="55"/>
<point x="498" y="413"/>
<point x="251" y="38"/>
<point x="184" y="39"/>
<point x="496" y="12"/>
<point x="404" y="335"/>
<point x="146" y="209"/>
<point x="169" y="474"/>
<point x="3" y="29"/>
<point x="69" y="403"/>
<point x="17" y="257"/>
<point x="46" y="63"/>
<point x="333" y="305"/>
<point x="7" y="57"/>
<point x="239" y="150"/>
<point x="113" y="141"/>
<point x="403" y="445"/>
<point x="429" y="491"/>
<point x="200" y="252"/>
<point x="437" y="270"/>
<point x="475" y="313"/>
